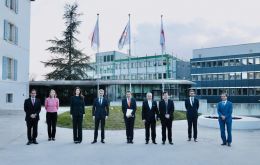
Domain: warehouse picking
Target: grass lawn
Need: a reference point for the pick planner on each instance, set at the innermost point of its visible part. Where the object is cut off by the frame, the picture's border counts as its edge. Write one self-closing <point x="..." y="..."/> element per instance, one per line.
<point x="115" y="120"/>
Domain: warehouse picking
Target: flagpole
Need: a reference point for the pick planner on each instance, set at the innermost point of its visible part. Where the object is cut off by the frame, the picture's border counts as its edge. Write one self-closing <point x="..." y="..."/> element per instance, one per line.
<point x="129" y="56"/>
<point x="162" y="48"/>
<point x="99" y="75"/>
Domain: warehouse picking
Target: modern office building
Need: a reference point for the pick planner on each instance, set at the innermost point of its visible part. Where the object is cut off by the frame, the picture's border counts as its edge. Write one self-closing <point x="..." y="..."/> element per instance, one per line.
<point x="112" y="73"/>
<point x="14" y="52"/>
<point x="233" y="69"/>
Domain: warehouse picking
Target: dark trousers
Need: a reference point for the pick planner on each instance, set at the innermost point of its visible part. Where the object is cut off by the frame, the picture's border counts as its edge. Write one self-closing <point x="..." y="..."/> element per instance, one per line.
<point x="32" y="129"/>
<point x="103" y="122"/>
<point x="77" y="127"/>
<point x="129" y="125"/>
<point x="148" y="125"/>
<point x="51" y="119"/>
<point x="223" y="124"/>
<point x="166" y="124"/>
<point x="192" y="123"/>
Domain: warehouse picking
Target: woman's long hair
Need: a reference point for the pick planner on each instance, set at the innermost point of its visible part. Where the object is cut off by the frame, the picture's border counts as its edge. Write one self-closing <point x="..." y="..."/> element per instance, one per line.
<point x="80" y="93"/>
<point x="52" y="90"/>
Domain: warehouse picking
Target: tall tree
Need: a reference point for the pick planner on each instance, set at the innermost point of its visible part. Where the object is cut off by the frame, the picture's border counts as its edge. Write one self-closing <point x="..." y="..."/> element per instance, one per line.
<point x="69" y="63"/>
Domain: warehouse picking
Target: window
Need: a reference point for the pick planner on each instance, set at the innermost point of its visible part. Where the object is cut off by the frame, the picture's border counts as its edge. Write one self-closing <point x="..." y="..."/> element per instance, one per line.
<point x="193" y="65"/>
<point x="204" y="91"/>
<point x="209" y="77"/>
<point x="203" y="77"/>
<point x="244" y="75"/>
<point x="9" y="70"/>
<point x="12" y="4"/>
<point x="232" y="91"/>
<point x="238" y="62"/>
<point x="220" y="63"/>
<point x="209" y="92"/>
<point x="244" y="91"/>
<point x="226" y="76"/>
<point x="250" y="75"/>
<point x="221" y="77"/>
<point x="238" y="76"/>
<point x="225" y="63"/>
<point x="257" y="75"/>
<point x="194" y="77"/>
<point x="9" y="98"/>
<point x="251" y="91"/>
<point x="203" y="64"/>
<point x="208" y="64"/>
<point x="244" y="61"/>
<point x="10" y="32"/>
<point x="112" y="57"/>
<point x="232" y="63"/>
<point x="214" y="63"/>
<point x="215" y="92"/>
<point x="215" y="77"/>
<point x="250" y="61"/>
<point x="257" y="91"/>
<point x="257" y="60"/>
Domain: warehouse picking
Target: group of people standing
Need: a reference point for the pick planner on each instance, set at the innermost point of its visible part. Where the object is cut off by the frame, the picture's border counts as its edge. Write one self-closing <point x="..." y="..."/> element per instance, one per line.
<point x="151" y="113"/>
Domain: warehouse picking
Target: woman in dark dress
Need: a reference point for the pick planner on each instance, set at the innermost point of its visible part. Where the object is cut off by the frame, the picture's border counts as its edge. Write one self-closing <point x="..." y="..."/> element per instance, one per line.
<point x="77" y="112"/>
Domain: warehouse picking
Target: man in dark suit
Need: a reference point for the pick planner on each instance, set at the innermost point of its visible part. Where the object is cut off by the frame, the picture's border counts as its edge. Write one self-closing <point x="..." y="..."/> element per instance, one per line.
<point x="129" y="105"/>
<point x="225" y="109"/>
<point x="32" y="109"/>
<point x="100" y="112"/>
<point x="150" y="114"/>
<point x="192" y="106"/>
<point x="166" y="109"/>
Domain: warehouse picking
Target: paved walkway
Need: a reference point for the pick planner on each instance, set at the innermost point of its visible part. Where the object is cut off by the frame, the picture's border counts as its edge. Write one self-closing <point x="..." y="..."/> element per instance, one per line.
<point x="13" y="151"/>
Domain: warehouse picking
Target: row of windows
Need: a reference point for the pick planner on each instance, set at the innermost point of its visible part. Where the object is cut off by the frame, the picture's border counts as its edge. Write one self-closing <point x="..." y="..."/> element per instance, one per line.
<point x="228" y="62"/>
<point x="230" y="92"/>
<point x="12" y="5"/>
<point x="9" y="69"/>
<point x="10" y="32"/>
<point x="137" y="77"/>
<point x="227" y="76"/>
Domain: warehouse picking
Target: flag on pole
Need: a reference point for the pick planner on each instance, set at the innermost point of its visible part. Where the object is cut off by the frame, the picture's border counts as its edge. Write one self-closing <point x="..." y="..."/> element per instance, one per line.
<point x="162" y="37"/>
<point x="95" y="43"/>
<point x="125" y="37"/>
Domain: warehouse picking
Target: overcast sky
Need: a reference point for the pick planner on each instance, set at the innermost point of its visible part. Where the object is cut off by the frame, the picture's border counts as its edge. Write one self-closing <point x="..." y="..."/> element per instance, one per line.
<point x="188" y="25"/>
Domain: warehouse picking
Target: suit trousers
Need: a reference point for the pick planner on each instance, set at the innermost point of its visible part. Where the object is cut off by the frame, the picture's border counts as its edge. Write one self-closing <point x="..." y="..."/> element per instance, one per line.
<point x="166" y="124"/>
<point x="32" y="129"/>
<point x="150" y="125"/>
<point x="103" y="122"/>
<point x="129" y="125"/>
<point x="77" y="127"/>
<point x="223" y="124"/>
<point x="192" y="123"/>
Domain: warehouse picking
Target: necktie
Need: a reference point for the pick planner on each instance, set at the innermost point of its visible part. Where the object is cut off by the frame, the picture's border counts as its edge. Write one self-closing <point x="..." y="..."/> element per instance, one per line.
<point x="150" y="105"/>
<point x="166" y="106"/>
<point x="128" y="102"/>
<point x="100" y="100"/>
<point x="33" y="101"/>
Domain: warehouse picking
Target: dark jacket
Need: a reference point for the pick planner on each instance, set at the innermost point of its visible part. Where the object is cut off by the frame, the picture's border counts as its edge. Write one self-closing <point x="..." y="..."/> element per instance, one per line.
<point x="149" y="114"/>
<point x="29" y="108"/>
<point x="77" y="106"/>
<point x="163" y="111"/>
<point x="100" y="110"/>
<point x="125" y="106"/>
<point x="192" y="110"/>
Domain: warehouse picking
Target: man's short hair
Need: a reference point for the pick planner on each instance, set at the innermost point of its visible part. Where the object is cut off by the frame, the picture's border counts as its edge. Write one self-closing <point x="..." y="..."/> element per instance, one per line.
<point x="101" y="90"/>
<point x="128" y="92"/>
<point x="149" y="93"/>
<point x="165" y="92"/>
<point x="224" y="93"/>
<point x="33" y="90"/>
<point x="191" y="90"/>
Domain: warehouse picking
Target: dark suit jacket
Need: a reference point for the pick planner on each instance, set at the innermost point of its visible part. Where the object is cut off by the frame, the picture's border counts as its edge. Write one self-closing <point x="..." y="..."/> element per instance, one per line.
<point x="162" y="109"/>
<point x="100" y="110"/>
<point x="77" y="106"/>
<point x="29" y="108"/>
<point x="149" y="114"/>
<point x="125" y="106"/>
<point x="192" y="110"/>
<point x="225" y="110"/>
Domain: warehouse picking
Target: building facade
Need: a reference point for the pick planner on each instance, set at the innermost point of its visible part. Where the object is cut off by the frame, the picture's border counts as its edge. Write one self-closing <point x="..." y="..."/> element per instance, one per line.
<point x="14" y="52"/>
<point x="232" y="69"/>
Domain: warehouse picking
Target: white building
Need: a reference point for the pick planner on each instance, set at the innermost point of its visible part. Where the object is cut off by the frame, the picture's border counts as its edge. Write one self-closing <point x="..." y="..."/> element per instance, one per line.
<point x="14" y="53"/>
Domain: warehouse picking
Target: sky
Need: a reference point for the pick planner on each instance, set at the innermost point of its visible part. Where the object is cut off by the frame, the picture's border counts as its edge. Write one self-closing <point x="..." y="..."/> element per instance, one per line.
<point x="188" y="25"/>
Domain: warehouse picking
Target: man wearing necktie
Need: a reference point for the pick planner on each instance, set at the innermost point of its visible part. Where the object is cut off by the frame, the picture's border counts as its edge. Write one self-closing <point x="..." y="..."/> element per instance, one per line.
<point x="225" y="109"/>
<point x="166" y="109"/>
<point x="32" y="108"/>
<point x="129" y="103"/>
<point x="100" y="112"/>
<point x="150" y="114"/>
<point x="192" y="106"/>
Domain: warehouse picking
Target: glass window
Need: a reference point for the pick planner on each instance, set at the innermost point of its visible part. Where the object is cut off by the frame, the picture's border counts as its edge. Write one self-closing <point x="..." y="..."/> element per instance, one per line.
<point x="221" y="77"/>
<point x="194" y="77"/>
<point x="209" y="77"/>
<point x="199" y="77"/>
<point x="214" y="63"/>
<point x="10" y="32"/>
<point x="238" y="76"/>
<point x="257" y="91"/>
<point x="193" y="64"/>
<point x="257" y="60"/>
<point x="244" y="61"/>
<point x="251" y="92"/>
<point x="250" y="61"/>
<point x="232" y="63"/>
<point x="203" y="77"/>
<point x="250" y="75"/>
<point x="12" y="4"/>
<point x="198" y="92"/>
<point x="9" y="98"/>
<point x="238" y="62"/>
<point x="244" y="91"/>
<point x="202" y="64"/>
<point x="204" y="92"/>
<point x="238" y="91"/>
<point x="209" y="92"/>
<point x="226" y="76"/>
<point x="215" y="92"/>
<point x="215" y="77"/>
<point x="244" y="75"/>
<point x="198" y="65"/>
<point x="220" y="63"/>
<point x="232" y="91"/>
<point x="257" y="75"/>
<point x="9" y="68"/>
<point x="226" y="63"/>
<point x="208" y="64"/>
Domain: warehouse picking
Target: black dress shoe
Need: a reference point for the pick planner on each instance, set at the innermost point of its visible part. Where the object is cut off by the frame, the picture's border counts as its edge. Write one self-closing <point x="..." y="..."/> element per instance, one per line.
<point x="146" y="142"/>
<point x="171" y="143"/>
<point x="79" y="142"/>
<point x="28" y="143"/>
<point x="49" y="139"/>
<point x="131" y="142"/>
<point x="189" y="139"/>
<point x="154" y="142"/>
<point x="35" y="142"/>
<point x="229" y="144"/>
<point x="53" y="139"/>
<point x="93" y="142"/>
<point x="195" y="140"/>
<point x="163" y="143"/>
<point x="223" y="144"/>
<point x="102" y="141"/>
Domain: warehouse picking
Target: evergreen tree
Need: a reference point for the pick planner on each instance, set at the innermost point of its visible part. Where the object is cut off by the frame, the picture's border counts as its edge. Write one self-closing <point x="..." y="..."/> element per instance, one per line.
<point x="69" y="63"/>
